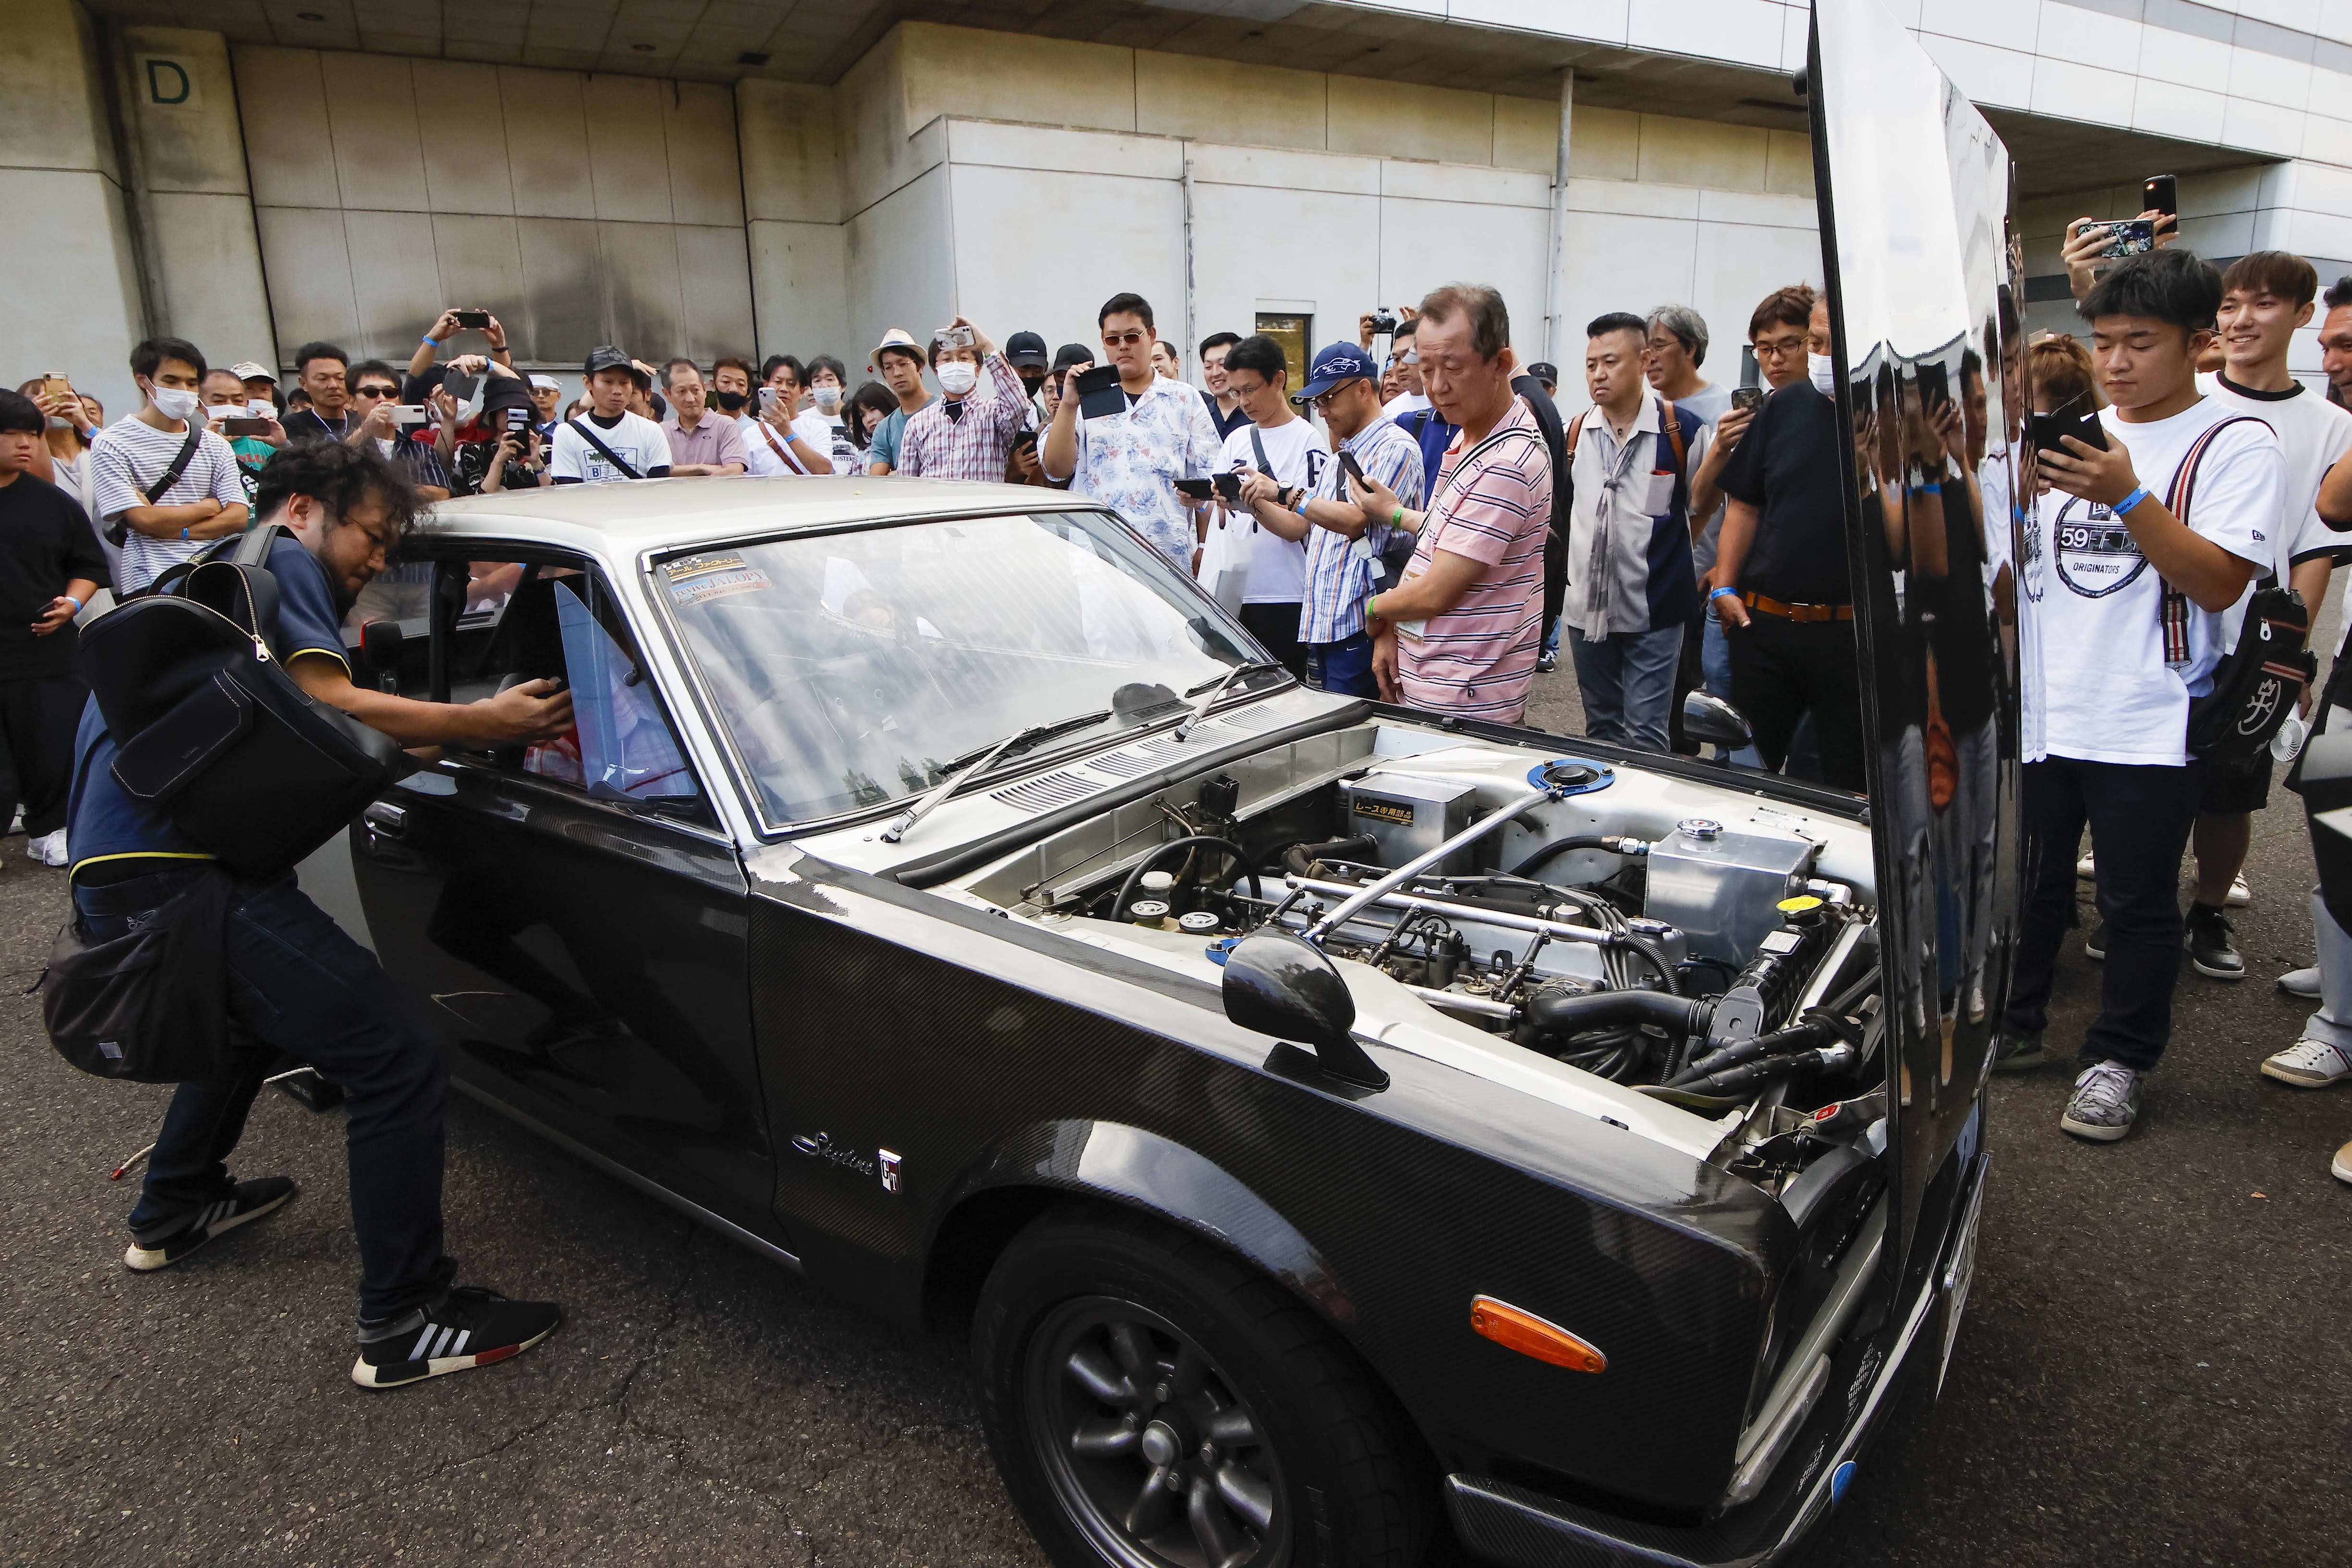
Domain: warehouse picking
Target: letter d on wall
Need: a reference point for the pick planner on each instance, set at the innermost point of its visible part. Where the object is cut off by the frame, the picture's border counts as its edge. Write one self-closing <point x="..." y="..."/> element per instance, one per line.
<point x="170" y="83"/>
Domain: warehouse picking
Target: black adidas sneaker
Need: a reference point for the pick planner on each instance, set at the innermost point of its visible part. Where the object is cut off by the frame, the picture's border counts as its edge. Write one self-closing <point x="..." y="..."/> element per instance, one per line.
<point x="250" y="1200"/>
<point x="471" y="1326"/>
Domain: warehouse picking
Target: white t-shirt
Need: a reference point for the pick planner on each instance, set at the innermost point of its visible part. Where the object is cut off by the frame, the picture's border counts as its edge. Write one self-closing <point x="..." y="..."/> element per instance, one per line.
<point x="2105" y="693"/>
<point x="2313" y="433"/>
<point x="1278" y="574"/>
<point x="1403" y="402"/>
<point x="635" y="440"/>
<point x="816" y="429"/>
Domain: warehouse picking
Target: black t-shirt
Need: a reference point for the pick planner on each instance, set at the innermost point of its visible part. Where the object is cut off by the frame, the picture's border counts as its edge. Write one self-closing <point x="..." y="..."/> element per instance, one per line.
<point x="1787" y="468"/>
<point x="306" y="425"/>
<point x="1226" y="424"/>
<point x="45" y="542"/>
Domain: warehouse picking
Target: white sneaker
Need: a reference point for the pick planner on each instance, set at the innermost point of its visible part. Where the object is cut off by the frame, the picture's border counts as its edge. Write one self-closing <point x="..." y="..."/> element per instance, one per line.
<point x="2302" y="983"/>
<point x="2240" y="895"/>
<point x="2342" y="1164"/>
<point x="2087" y="868"/>
<point x="2308" y="1064"/>
<point x="49" y="848"/>
<point x="2104" y="1103"/>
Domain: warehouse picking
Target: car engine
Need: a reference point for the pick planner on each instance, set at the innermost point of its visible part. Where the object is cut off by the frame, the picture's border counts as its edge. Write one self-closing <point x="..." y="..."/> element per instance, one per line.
<point x="1693" y="960"/>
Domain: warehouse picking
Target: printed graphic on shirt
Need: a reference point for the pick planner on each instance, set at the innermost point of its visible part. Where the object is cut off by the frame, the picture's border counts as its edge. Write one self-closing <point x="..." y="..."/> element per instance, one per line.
<point x="2096" y="555"/>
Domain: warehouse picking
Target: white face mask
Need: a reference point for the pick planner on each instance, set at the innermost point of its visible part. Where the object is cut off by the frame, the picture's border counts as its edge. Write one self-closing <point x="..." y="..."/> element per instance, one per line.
<point x="262" y="408"/>
<point x="827" y="397"/>
<point x="58" y="422"/>
<point x="172" y="402"/>
<point x="1822" y="370"/>
<point x="957" y="377"/>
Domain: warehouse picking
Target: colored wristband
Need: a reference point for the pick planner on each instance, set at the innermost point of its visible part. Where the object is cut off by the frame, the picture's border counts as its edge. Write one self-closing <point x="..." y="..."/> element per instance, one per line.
<point x="1935" y="489"/>
<point x="70" y="599"/>
<point x="1714" y="594"/>
<point x="184" y="533"/>
<point x="2139" y="494"/>
<point x="433" y="342"/>
<point x="1372" y="613"/>
<point x="1396" y="518"/>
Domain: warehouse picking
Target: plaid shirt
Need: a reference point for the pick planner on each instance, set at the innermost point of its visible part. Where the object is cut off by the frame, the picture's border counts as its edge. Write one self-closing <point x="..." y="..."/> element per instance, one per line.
<point x="1340" y="576"/>
<point x="971" y="445"/>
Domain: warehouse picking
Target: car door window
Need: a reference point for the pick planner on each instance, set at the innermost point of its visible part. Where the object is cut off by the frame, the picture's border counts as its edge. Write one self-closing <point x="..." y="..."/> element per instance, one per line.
<point x="507" y="622"/>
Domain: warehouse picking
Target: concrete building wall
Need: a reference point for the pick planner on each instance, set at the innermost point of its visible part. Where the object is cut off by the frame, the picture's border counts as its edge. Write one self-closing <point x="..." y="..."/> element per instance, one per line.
<point x="582" y="208"/>
<point x="70" y="294"/>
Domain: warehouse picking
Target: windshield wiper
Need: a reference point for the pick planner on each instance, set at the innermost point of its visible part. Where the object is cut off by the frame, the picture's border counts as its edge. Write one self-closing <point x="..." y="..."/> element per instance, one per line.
<point x="974" y="769"/>
<point x="1200" y="708"/>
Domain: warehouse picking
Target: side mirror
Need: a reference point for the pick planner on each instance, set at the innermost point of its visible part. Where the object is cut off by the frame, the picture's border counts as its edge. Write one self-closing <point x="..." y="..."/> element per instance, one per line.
<point x="380" y="642"/>
<point x="1280" y="985"/>
<point x="1709" y="719"/>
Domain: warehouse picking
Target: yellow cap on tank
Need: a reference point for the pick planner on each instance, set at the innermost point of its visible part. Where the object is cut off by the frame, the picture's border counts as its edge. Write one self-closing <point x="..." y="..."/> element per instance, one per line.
<point x="1803" y="903"/>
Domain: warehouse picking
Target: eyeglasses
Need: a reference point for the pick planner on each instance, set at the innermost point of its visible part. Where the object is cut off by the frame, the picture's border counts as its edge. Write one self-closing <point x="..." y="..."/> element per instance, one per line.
<point x="1778" y="347"/>
<point x="1123" y="340"/>
<point x="1322" y="400"/>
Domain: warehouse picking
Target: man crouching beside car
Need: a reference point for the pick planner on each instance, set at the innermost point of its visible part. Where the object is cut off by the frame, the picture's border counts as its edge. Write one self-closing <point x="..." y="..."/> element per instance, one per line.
<point x="297" y="983"/>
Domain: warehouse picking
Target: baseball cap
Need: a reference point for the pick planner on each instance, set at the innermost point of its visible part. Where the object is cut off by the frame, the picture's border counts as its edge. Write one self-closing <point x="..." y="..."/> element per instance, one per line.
<point x="546" y="382"/>
<point x="604" y="356"/>
<point x="248" y="370"/>
<point x="898" y="338"/>
<point x="1545" y="371"/>
<point x="1336" y="363"/>
<point x="1069" y="355"/>
<point x="1026" y="350"/>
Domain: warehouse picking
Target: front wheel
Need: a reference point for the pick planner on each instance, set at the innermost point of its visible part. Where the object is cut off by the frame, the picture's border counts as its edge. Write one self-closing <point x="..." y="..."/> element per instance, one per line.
<point x="1152" y="1403"/>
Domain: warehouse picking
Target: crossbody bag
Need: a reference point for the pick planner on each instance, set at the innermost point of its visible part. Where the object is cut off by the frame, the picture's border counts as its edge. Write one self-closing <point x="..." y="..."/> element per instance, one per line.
<point x="2260" y="681"/>
<point x="115" y="533"/>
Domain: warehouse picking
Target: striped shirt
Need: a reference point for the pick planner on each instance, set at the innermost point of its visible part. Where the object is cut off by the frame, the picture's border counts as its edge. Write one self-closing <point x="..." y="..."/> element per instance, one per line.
<point x="967" y="441"/>
<point x="1478" y="658"/>
<point x="1339" y="574"/>
<point x="130" y="455"/>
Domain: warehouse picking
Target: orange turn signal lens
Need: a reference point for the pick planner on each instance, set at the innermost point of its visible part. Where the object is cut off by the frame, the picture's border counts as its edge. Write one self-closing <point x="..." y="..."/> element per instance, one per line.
<point x="1515" y="1329"/>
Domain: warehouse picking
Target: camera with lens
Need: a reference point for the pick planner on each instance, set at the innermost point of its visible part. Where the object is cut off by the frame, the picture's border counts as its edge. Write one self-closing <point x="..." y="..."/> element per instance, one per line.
<point x="1384" y="321"/>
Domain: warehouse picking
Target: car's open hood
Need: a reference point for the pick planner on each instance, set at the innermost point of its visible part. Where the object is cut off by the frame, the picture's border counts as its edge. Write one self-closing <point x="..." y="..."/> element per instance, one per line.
<point x="1914" y="189"/>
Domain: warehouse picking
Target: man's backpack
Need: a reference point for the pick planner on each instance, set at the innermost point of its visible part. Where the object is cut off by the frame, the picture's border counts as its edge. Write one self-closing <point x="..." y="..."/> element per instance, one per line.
<point x="211" y="730"/>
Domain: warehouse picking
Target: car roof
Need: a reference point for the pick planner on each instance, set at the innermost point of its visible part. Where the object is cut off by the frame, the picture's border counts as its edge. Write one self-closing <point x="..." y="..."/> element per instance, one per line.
<point x="620" y="519"/>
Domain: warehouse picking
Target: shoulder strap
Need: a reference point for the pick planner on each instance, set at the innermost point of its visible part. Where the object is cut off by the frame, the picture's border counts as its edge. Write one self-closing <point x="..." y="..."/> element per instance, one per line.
<point x="1670" y="419"/>
<point x="1257" y="444"/>
<point x="2173" y="607"/>
<point x="588" y="434"/>
<point x="783" y="449"/>
<point x="1493" y="440"/>
<point x="171" y="476"/>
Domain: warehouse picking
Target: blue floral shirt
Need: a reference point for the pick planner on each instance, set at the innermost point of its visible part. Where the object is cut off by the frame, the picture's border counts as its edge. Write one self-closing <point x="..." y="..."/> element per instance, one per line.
<point x="1127" y="461"/>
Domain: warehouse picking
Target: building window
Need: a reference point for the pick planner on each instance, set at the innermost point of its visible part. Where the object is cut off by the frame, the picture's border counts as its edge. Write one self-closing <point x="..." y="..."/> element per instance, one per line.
<point x="1297" y="336"/>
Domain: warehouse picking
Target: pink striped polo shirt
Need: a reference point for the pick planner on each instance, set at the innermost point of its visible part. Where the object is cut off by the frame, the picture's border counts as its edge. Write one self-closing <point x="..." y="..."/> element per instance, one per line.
<point x="1478" y="658"/>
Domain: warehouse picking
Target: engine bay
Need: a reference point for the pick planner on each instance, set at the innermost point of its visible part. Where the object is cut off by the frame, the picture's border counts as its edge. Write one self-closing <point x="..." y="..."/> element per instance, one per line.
<point x="1699" y="945"/>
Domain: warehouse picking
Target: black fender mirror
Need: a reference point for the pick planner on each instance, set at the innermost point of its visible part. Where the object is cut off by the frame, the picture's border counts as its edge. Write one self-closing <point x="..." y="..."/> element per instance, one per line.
<point x="1709" y="719"/>
<point x="1280" y="985"/>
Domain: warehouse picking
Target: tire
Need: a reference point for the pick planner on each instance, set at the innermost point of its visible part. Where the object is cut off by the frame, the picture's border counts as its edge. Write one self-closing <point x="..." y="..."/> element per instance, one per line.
<point x="1286" y="1450"/>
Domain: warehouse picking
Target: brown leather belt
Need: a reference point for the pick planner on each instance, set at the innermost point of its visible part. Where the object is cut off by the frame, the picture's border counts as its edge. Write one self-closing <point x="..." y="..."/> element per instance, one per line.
<point x="1762" y="605"/>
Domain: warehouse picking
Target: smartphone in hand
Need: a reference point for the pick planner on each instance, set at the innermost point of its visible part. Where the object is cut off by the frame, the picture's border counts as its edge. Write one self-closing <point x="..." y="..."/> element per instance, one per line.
<point x="472" y="321"/>
<point x="2085" y="427"/>
<point x="1196" y="490"/>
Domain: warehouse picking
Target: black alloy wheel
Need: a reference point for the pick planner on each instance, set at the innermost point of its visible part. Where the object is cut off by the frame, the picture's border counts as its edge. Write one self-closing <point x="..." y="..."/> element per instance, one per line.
<point x="1159" y="1461"/>
<point x="1154" y="1402"/>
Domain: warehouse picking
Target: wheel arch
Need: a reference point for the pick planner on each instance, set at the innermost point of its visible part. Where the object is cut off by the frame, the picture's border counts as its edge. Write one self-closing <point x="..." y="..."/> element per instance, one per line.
<point x="1130" y="1166"/>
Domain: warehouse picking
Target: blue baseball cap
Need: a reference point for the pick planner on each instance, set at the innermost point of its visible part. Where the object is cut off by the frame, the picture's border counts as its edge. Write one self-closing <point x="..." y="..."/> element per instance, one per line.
<point x="1336" y="363"/>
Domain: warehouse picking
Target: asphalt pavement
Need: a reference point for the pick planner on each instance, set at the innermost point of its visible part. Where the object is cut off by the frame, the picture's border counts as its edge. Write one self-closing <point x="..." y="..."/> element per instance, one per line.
<point x="2152" y="1369"/>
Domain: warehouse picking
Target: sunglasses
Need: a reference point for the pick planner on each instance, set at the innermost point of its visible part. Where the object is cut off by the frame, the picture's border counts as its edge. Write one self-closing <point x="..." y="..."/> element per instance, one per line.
<point x="372" y="390"/>
<point x="1322" y="400"/>
<point x="1122" y="339"/>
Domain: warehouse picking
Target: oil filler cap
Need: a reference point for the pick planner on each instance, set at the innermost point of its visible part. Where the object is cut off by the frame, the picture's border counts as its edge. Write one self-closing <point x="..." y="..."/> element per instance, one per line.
<point x="1803" y="904"/>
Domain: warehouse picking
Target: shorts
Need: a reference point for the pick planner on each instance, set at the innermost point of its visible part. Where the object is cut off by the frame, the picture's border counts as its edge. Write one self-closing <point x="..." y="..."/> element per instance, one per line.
<point x="2227" y="791"/>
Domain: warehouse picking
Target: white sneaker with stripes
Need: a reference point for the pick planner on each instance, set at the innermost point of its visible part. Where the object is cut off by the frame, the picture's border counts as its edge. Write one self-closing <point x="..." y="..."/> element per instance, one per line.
<point x="471" y="1326"/>
<point x="249" y="1202"/>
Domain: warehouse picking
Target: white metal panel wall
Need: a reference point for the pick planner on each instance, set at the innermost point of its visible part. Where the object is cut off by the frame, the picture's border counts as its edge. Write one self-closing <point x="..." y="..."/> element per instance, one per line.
<point x="580" y="209"/>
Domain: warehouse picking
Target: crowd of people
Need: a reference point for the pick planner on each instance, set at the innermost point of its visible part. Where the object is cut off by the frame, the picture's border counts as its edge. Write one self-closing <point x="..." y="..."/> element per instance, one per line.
<point x="1410" y="523"/>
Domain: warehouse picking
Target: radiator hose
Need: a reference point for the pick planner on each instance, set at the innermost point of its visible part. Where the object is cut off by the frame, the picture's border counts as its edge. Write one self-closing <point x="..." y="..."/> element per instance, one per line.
<point x="1613" y="843"/>
<point x="1299" y="858"/>
<point x="1562" y="1014"/>
<point x="1135" y="877"/>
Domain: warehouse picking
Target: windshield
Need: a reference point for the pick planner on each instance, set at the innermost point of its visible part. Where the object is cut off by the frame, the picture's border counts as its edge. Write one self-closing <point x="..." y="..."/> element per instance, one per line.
<point x="853" y="669"/>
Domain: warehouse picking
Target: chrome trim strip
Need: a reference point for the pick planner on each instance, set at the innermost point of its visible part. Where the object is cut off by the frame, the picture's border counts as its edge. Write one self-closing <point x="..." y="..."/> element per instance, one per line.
<point x="651" y="1188"/>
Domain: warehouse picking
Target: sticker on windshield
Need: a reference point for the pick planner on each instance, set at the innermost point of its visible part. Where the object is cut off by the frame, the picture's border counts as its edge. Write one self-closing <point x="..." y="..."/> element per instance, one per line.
<point x="699" y="579"/>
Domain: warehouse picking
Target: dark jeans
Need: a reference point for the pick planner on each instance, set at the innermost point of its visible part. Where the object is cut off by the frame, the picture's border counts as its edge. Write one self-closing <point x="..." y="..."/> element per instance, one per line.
<point x="1779" y="671"/>
<point x="1277" y="625"/>
<point x="39" y="715"/>
<point x="2139" y="818"/>
<point x="1344" y="667"/>
<point x="298" y="984"/>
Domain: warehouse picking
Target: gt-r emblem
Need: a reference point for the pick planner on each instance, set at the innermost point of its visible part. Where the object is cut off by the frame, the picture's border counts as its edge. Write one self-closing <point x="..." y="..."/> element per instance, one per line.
<point x="889" y="1169"/>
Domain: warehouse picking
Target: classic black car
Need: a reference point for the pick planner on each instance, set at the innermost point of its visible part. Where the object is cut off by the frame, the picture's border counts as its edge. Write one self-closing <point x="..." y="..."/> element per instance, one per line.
<point x="1330" y="1125"/>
